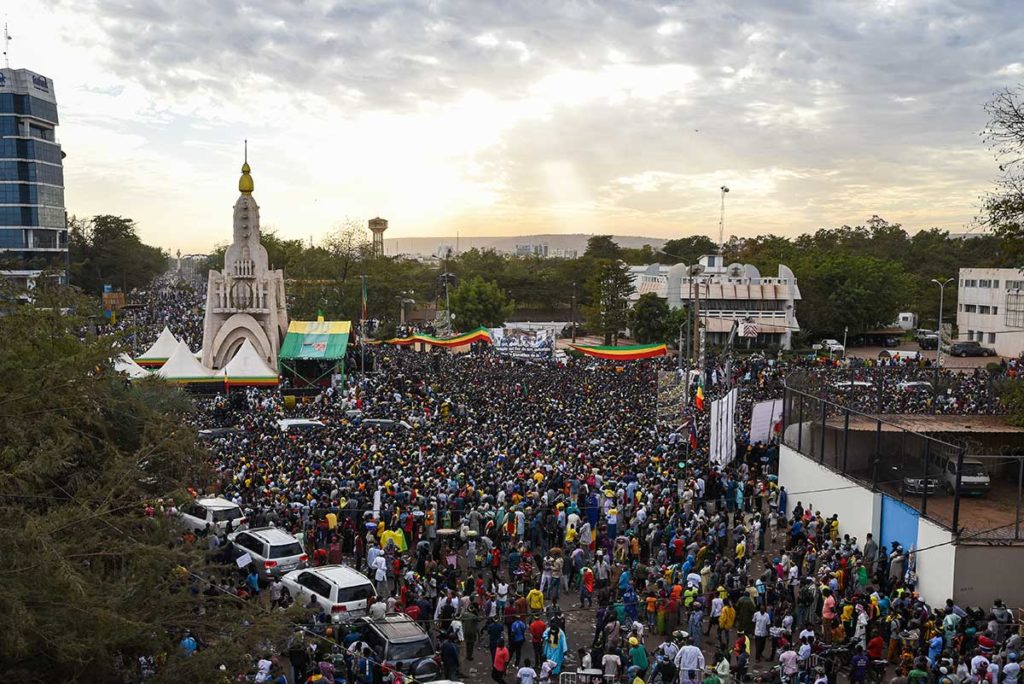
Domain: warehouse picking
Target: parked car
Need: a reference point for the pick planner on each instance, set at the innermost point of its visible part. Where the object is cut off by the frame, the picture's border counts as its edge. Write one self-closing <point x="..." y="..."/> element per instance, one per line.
<point x="889" y="341"/>
<point x="213" y="433"/>
<point x="912" y="355"/>
<point x="915" y="386"/>
<point x="214" y="511"/>
<point x="830" y="345"/>
<point x="970" y="348"/>
<point x="929" y="341"/>
<point x="396" y="640"/>
<point x="299" y="425"/>
<point x="274" y="552"/>
<point x="343" y="592"/>
<point x="910" y="474"/>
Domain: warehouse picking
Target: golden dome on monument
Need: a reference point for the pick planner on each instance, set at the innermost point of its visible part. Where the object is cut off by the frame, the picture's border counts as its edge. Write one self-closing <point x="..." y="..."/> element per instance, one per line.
<point x="245" y="184"/>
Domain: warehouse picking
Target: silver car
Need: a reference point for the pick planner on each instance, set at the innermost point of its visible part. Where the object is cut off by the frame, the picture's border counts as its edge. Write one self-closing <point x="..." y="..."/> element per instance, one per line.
<point x="274" y="552"/>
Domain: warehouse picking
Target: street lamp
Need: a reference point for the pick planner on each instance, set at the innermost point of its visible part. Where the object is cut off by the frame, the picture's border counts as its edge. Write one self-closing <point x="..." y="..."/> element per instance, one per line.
<point x="938" y="345"/>
<point x="721" y="221"/>
<point x="846" y="329"/>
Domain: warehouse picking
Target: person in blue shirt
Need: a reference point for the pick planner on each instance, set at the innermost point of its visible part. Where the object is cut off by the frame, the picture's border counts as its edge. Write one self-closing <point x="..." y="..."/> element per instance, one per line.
<point x="859" y="665"/>
<point x="935" y="648"/>
<point x="517" y="632"/>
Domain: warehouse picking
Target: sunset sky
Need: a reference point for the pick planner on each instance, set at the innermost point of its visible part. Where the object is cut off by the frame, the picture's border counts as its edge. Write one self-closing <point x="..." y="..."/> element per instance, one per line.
<point x="497" y="118"/>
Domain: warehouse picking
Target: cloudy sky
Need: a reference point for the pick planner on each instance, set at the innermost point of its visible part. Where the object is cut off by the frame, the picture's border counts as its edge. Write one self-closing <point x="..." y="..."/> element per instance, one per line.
<point x="496" y="118"/>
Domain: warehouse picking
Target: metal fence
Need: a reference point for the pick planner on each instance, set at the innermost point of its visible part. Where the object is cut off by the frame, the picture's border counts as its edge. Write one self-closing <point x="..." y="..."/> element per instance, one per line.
<point x="943" y="479"/>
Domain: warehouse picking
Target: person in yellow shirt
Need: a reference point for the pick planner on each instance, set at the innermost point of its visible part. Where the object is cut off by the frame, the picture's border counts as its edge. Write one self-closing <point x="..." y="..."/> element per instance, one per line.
<point x="726" y="620"/>
<point x="741" y="550"/>
<point x="535" y="599"/>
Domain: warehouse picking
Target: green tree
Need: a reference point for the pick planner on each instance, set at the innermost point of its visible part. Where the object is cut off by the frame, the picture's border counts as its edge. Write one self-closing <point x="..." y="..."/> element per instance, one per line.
<point x="649" y="319"/>
<point x="1011" y="394"/>
<point x="687" y="250"/>
<point x="608" y="291"/>
<point x="1004" y="134"/>
<point x="90" y="582"/>
<point x="477" y="302"/>
<point x="602" y="247"/>
<point x="106" y="250"/>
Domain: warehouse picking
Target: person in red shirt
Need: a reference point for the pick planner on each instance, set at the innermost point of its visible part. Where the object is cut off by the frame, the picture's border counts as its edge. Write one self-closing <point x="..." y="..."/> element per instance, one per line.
<point x="537" y="628"/>
<point x="875" y="647"/>
<point x="501" y="658"/>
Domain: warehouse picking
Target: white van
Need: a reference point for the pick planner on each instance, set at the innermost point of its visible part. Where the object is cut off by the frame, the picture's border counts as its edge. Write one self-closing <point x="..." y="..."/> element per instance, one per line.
<point x="974" y="478"/>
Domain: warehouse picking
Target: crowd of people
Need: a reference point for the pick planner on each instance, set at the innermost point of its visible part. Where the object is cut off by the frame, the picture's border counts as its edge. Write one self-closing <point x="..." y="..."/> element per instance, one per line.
<point x="544" y="510"/>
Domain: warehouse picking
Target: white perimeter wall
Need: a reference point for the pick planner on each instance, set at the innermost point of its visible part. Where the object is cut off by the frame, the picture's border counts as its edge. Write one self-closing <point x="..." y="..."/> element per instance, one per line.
<point x="860" y="510"/>
<point x="935" y="564"/>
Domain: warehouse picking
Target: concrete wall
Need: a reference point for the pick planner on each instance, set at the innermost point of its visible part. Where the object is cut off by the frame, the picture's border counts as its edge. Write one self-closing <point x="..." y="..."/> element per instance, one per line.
<point x="935" y="563"/>
<point x="984" y="573"/>
<point x="815" y="485"/>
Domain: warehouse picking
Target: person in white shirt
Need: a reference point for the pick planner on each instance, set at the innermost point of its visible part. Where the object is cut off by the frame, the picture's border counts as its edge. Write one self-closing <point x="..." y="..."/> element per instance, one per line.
<point x="611" y="663"/>
<point x="762" y="624"/>
<point x="526" y="674"/>
<point x="690" y="663"/>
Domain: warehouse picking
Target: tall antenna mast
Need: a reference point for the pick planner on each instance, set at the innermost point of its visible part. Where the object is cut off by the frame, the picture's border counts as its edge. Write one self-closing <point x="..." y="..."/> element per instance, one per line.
<point x="246" y="143"/>
<point x="7" y="44"/>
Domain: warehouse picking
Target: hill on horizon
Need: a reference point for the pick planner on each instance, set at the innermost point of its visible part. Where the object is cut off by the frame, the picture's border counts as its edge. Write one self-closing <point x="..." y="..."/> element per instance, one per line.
<point x="561" y="241"/>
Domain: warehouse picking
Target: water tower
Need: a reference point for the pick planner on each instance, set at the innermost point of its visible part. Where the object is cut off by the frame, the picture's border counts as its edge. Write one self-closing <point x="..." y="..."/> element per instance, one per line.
<point x="377" y="227"/>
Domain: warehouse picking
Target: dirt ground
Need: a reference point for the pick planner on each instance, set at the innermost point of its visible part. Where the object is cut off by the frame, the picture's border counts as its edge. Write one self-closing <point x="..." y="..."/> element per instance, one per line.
<point x="948" y="361"/>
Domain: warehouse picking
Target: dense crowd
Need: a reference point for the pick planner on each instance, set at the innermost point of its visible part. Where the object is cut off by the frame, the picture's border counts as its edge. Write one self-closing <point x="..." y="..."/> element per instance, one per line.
<point x="540" y="509"/>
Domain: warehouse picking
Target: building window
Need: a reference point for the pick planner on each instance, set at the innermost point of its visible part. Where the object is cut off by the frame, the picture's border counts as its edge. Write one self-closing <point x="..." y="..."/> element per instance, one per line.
<point x="984" y="283"/>
<point x="983" y="309"/>
<point x="1014" y="309"/>
<point x="995" y="310"/>
<point x="970" y="334"/>
<point x="995" y="284"/>
<point x="991" y="338"/>
<point x="970" y="308"/>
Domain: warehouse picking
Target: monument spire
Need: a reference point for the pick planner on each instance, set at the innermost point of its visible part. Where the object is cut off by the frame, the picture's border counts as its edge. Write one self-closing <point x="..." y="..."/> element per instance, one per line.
<point x="245" y="184"/>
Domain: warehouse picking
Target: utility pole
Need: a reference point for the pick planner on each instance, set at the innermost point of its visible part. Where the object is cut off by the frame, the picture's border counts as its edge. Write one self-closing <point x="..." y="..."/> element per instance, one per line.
<point x="572" y="312"/>
<point x="721" y="222"/>
<point x="363" y="327"/>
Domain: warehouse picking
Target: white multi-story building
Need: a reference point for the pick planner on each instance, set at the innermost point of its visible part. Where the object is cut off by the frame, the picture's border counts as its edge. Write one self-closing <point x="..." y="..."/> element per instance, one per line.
<point x="990" y="308"/>
<point x="727" y="293"/>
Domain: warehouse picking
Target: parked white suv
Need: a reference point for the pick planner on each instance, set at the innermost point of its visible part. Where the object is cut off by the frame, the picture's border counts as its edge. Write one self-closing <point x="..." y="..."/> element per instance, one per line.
<point x="834" y="346"/>
<point x="215" y="511"/>
<point x="343" y="592"/>
<point x="274" y="552"/>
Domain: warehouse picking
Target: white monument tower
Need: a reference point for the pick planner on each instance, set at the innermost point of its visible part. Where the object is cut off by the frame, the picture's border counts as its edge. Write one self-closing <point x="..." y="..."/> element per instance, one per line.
<point x="246" y="300"/>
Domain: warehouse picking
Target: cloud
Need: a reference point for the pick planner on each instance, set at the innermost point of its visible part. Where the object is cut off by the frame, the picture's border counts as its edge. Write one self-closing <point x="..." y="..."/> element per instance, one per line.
<point x="518" y="117"/>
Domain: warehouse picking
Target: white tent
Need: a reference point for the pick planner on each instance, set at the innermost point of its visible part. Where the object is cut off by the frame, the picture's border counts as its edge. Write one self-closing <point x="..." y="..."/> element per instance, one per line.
<point x="183" y="367"/>
<point x="248" y="368"/>
<point x="124" y="364"/>
<point x="161" y="350"/>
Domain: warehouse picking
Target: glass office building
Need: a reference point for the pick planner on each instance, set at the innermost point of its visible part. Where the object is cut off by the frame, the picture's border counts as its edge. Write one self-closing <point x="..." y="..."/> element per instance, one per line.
<point x="33" y="223"/>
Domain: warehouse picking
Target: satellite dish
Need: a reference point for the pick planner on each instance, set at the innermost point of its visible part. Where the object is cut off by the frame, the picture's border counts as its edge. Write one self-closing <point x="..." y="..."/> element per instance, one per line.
<point x="736" y="270"/>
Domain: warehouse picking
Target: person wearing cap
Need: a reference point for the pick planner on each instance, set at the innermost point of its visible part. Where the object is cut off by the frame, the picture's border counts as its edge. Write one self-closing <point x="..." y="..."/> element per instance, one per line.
<point x="638" y="656"/>
<point x="1011" y="670"/>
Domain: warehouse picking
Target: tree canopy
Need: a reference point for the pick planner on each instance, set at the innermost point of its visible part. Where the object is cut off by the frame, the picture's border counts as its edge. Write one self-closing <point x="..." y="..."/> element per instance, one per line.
<point x="90" y="581"/>
<point x="608" y="288"/>
<point x="649" y="319"/>
<point x="106" y="250"/>
<point x="477" y="302"/>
